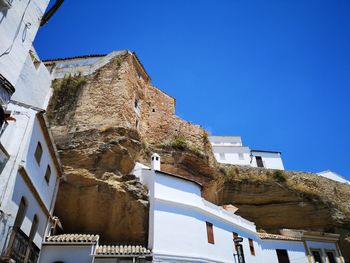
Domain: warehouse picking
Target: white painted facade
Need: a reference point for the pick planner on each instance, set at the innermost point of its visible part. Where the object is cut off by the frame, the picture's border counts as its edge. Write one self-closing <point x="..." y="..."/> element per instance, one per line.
<point x="68" y="253"/>
<point x="19" y="23"/>
<point x="24" y="177"/>
<point x="334" y="176"/>
<point x="178" y="226"/>
<point x="230" y="150"/>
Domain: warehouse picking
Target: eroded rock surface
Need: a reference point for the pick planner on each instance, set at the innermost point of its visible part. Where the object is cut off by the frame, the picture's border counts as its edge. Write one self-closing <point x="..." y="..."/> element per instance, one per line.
<point x="104" y="122"/>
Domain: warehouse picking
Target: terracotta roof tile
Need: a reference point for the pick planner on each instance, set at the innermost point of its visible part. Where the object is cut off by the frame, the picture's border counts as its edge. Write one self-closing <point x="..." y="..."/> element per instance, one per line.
<point x="122" y="250"/>
<point x="72" y="238"/>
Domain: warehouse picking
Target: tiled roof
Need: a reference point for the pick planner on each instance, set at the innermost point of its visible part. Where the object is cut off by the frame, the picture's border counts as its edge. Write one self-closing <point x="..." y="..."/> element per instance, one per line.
<point x="122" y="250"/>
<point x="72" y="238"/>
<point x="76" y="57"/>
<point x="277" y="237"/>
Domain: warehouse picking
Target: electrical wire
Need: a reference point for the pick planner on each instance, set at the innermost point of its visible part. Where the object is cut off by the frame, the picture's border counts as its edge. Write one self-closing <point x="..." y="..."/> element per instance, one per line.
<point x="8" y="50"/>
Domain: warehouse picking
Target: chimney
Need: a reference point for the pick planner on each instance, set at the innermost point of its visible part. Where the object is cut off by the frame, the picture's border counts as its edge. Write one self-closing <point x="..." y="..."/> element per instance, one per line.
<point x="155" y="162"/>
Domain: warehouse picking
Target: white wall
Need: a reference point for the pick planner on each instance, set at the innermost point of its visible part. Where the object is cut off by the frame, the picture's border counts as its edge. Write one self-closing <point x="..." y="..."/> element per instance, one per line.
<point x="34" y="85"/>
<point x="20" y="139"/>
<point x="296" y="250"/>
<point x="16" y="37"/>
<point x="179" y="230"/>
<point x="229" y="150"/>
<point x="232" y="155"/>
<point x="271" y="160"/>
<point x="66" y="253"/>
<point x="334" y="176"/>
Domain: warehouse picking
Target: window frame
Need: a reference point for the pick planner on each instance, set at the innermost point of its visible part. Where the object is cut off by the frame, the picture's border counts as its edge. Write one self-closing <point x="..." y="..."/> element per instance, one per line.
<point x="48" y="175"/>
<point x="210" y="233"/>
<point x="319" y="252"/>
<point x="38" y="153"/>
<point x="278" y="255"/>
<point x="334" y="253"/>
<point x="251" y="246"/>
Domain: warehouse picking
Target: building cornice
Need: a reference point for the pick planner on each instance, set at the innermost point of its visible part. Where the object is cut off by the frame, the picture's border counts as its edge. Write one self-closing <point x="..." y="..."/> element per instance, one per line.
<point x="202" y="210"/>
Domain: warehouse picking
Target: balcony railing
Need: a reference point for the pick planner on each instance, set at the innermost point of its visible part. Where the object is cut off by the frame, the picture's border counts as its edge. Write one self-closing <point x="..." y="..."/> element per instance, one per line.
<point x="20" y="246"/>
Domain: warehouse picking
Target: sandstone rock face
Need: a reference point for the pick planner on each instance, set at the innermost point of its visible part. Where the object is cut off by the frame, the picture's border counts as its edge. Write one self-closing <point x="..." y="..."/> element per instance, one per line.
<point x="104" y="122"/>
<point x="286" y="199"/>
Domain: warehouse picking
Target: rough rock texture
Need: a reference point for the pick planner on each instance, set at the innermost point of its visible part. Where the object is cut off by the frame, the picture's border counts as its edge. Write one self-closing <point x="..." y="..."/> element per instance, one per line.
<point x="276" y="199"/>
<point x="104" y="122"/>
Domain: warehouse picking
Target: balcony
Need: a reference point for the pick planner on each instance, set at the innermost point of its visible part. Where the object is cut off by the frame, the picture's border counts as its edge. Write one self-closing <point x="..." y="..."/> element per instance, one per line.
<point x="20" y="249"/>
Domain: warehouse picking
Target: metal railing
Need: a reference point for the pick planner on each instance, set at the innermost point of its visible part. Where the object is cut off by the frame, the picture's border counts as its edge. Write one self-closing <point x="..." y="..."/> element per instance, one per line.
<point x="21" y="248"/>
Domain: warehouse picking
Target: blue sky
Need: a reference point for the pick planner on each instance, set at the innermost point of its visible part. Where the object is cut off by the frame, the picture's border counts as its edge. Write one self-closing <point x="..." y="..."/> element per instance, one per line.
<point x="274" y="72"/>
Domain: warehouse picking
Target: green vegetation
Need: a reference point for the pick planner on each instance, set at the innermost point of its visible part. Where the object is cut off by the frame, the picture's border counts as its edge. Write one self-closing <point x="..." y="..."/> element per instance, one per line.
<point x="279" y="176"/>
<point x="65" y="96"/>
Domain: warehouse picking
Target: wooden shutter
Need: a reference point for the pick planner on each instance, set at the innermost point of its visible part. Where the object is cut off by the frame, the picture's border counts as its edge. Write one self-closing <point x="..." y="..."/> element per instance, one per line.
<point x="251" y="247"/>
<point x="210" y="233"/>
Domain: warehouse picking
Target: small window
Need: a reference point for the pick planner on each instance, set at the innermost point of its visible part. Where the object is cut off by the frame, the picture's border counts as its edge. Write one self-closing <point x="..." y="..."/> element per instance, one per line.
<point x="34" y="227"/>
<point x="317" y="256"/>
<point x="38" y="153"/>
<point x="48" y="174"/>
<point x="259" y="161"/>
<point x="22" y="210"/>
<point x="240" y="156"/>
<point x="331" y="257"/>
<point x="210" y="233"/>
<point x="251" y="247"/>
<point x="282" y="256"/>
<point x="3" y="158"/>
<point x="153" y="110"/>
<point x="137" y="124"/>
<point x="136" y="103"/>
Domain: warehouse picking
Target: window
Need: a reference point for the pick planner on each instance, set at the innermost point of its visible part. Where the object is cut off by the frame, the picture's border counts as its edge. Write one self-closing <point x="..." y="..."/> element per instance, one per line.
<point x="240" y="156"/>
<point x="330" y="256"/>
<point x="48" y="174"/>
<point x="282" y="256"/>
<point x="210" y="233"/>
<point x="34" y="227"/>
<point x="222" y="156"/>
<point x="136" y="103"/>
<point x="3" y="158"/>
<point x="317" y="256"/>
<point x="251" y="247"/>
<point x="22" y="210"/>
<point x="38" y="153"/>
<point x="259" y="161"/>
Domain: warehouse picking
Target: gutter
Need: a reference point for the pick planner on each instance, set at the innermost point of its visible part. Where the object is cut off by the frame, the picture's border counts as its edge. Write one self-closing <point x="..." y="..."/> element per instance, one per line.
<point x="46" y="17"/>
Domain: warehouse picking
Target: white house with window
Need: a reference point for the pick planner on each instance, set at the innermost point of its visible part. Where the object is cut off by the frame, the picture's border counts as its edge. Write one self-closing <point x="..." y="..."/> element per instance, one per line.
<point x="230" y="150"/>
<point x="30" y="170"/>
<point x="28" y="184"/>
<point x="184" y="227"/>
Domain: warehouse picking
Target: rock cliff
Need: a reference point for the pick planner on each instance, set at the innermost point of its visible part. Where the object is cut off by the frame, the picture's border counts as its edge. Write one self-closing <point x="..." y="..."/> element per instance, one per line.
<point x="105" y="120"/>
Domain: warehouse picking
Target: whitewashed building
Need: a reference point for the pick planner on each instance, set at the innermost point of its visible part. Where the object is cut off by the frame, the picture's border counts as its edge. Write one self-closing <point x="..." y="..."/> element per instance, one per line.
<point x="184" y="227"/>
<point x="230" y="150"/>
<point x="19" y="23"/>
<point x="83" y="248"/>
<point x="30" y="168"/>
<point x="334" y="176"/>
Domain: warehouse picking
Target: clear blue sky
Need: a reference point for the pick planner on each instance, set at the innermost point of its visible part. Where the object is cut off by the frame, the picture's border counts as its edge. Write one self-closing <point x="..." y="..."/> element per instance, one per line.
<point x="276" y="72"/>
